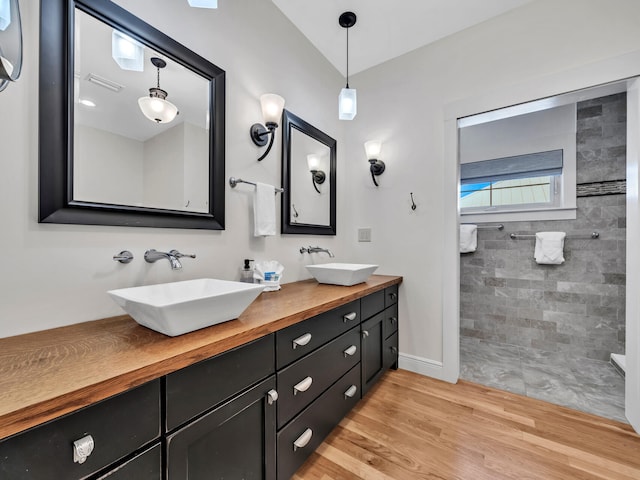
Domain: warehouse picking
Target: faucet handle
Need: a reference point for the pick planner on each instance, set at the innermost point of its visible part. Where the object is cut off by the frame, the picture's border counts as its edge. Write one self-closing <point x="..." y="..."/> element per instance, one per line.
<point x="177" y="254"/>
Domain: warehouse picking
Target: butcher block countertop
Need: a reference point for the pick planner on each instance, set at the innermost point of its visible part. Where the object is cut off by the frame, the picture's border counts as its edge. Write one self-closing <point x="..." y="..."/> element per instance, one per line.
<point x="44" y="375"/>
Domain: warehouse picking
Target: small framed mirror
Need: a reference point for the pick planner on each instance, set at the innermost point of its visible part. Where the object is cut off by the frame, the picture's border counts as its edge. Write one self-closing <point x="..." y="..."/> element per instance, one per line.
<point x="308" y="177"/>
<point x="131" y="122"/>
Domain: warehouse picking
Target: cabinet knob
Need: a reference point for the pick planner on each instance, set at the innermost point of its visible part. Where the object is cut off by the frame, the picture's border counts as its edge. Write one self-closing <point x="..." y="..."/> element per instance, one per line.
<point x="272" y="396"/>
<point x="82" y="448"/>
<point x="302" y="386"/>
<point x="365" y="334"/>
<point x="351" y="351"/>
<point x="303" y="439"/>
<point x="349" y="317"/>
<point x="301" y="340"/>
<point x="393" y="296"/>
<point x="394" y="350"/>
<point x="351" y="391"/>
<point x="393" y="320"/>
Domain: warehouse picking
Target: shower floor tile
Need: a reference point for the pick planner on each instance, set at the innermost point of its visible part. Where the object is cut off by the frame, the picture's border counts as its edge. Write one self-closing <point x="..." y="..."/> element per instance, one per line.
<point x="590" y="386"/>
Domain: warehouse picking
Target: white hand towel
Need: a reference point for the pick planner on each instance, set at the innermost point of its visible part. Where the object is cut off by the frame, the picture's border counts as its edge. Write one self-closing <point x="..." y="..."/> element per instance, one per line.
<point x="264" y="210"/>
<point x="468" y="238"/>
<point x="549" y="248"/>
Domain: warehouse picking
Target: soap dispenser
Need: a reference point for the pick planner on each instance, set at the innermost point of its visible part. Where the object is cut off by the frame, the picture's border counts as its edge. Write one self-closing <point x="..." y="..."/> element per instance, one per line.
<point x="246" y="275"/>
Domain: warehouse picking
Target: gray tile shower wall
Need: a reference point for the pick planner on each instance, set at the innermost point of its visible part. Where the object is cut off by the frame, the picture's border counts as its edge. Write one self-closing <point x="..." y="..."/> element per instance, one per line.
<point x="577" y="307"/>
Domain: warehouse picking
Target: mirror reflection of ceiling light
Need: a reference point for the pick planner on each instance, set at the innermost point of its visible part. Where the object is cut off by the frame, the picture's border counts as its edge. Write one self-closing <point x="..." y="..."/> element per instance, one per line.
<point x="10" y="42"/>
<point x="204" y="3"/>
<point x="86" y="102"/>
<point x="127" y="52"/>
<point x="155" y="107"/>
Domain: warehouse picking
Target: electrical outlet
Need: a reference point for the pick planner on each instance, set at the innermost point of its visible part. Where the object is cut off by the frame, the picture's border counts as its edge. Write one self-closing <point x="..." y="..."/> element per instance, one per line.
<point x="364" y="234"/>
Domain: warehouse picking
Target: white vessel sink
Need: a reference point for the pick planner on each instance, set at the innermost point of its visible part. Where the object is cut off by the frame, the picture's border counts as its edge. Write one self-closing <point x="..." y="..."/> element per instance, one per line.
<point x="180" y="307"/>
<point x="341" y="273"/>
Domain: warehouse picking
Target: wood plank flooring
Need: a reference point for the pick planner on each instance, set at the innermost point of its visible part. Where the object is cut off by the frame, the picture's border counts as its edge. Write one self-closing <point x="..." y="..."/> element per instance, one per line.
<point x="413" y="427"/>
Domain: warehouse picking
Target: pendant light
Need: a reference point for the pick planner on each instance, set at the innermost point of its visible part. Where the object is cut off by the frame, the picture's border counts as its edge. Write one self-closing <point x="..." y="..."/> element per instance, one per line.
<point x="155" y="107"/>
<point x="347" y="101"/>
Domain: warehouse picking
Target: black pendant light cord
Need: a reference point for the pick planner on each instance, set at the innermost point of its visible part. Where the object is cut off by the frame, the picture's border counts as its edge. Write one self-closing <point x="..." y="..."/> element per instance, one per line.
<point x="347" y="57"/>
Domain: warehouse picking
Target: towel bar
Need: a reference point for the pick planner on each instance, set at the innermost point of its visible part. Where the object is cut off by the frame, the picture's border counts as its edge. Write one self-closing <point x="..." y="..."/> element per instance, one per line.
<point x="592" y="236"/>
<point x="233" y="181"/>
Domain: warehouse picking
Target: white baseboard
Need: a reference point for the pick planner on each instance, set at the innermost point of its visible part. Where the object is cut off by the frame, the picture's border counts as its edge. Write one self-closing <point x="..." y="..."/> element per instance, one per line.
<point x="423" y="366"/>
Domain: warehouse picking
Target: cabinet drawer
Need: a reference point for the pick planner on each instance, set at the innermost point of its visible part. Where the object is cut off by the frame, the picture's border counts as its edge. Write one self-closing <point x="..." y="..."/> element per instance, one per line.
<point x="390" y="321"/>
<point x="372" y="304"/>
<point x="300" y="383"/>
<point x="197" y="388"/>
<point x="316" y="421"/>
<point x="390" y="295"/>
<point x="390" y="353"/>
<point x="118" y="426"/>
<point x="145" y="466"/>
<point x="297" y="340"/>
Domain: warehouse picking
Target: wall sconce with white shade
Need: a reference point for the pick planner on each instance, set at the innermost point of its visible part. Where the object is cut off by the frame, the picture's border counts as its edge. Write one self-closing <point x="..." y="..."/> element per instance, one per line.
<point x="373" y="149"/>
<point x="204" y="3"/>
<point x="10" y="42"/>
<point x="347" y="100"/>
<point x="156" y="107"/>
<point x="272" y="106"/>
<point x="127" y="52"/>
<point x="317" y="176"/>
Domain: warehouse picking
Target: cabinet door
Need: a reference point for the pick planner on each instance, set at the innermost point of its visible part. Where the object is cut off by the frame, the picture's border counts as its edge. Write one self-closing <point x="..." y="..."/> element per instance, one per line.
<point x="372" y="362"/>
<point x="235" y="440"/>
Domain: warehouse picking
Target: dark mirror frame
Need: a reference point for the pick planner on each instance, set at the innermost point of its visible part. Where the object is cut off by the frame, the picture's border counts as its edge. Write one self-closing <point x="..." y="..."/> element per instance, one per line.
<point x="56" y="204"/>
<point x="289" y="121"/>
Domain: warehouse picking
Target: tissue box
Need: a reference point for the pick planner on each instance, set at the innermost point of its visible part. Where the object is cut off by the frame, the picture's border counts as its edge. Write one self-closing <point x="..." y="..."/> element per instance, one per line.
<point x="269" y="274"/>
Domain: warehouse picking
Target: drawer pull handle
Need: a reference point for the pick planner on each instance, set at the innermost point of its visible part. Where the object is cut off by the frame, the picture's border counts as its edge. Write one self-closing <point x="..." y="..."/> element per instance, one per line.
<point x="393" y="296"/>
<point x="351" y="351"/>
<point x="393" y="320"/>
<point x="272" y="396"/>
<point x="365" y="334"/>
<point x="82" y="448"/>
<point x="394" y="350"/>
<point x="351" y="391"/>
<point x="349" y="317"/>
<point x="303" y="439"/>
<point x="302" y="386"/>
<point x="302" y="340"/>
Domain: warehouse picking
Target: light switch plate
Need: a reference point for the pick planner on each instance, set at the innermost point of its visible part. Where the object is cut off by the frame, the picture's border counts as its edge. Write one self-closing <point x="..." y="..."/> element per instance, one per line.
<point x="364" y="234"/>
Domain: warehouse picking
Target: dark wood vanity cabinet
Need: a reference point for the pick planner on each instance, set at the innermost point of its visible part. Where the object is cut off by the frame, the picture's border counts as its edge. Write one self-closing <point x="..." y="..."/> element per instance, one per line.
<point x="255" y="412"/>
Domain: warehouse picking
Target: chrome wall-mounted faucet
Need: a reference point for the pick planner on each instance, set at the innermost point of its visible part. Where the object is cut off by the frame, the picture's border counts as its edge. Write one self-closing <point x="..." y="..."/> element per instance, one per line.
<point x="316" y="250"/>
<point x="152" y="256"/>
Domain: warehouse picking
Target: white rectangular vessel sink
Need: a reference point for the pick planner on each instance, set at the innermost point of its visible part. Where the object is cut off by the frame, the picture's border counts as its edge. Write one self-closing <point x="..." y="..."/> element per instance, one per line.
<point x="346" y="274"/>
<point x="181" y="307"/>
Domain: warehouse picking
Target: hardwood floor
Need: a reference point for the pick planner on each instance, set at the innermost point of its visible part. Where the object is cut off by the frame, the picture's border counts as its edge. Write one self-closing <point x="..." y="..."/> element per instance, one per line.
<point x="413" y="427"/>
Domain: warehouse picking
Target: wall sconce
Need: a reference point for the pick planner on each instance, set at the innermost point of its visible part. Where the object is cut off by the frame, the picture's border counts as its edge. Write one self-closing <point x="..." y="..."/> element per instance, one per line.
<point x="317" y="176"/>
<point x="272" y="106"/>
<point x="155" y="107"/>
<point x="373" y="149"/>
<point x="10" y="42"/>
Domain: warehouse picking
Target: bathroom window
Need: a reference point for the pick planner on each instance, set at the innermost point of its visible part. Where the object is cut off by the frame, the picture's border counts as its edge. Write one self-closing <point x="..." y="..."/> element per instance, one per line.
<point x="523" y="182"/>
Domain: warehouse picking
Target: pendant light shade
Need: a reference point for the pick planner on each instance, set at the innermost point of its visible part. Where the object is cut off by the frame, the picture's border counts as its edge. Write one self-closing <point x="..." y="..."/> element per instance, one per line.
<point x="155" y="107"/>
<point x="347" y="100"/>
<point x="10" y="42"/>
<point x="347" y="104"/>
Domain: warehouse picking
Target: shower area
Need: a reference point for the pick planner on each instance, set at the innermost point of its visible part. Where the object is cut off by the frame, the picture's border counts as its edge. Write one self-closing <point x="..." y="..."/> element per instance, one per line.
<point x="548" y="331"/>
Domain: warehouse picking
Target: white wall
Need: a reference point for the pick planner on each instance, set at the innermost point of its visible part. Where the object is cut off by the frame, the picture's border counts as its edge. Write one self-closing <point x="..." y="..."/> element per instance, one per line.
<point x="164" y="159"/>
<point x="525" y="54"/>
<point x="54" y="275"/>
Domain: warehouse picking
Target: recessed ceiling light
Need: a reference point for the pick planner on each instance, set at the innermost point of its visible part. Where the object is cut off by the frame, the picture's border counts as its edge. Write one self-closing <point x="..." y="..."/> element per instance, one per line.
<point x="86" y="103"/>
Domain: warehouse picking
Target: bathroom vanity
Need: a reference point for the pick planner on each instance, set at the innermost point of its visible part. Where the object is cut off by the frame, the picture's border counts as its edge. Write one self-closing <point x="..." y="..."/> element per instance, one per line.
<point x="250" y="398"/>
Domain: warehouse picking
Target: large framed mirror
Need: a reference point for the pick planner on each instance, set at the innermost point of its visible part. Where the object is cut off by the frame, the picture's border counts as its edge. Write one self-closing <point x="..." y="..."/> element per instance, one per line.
<point x="308" y="177"/>
<point x="113" y="151"/>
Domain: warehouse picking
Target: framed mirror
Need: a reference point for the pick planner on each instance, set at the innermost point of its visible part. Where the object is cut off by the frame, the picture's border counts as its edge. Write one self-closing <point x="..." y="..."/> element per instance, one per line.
<point x="131" y="127"/>
<point x="308" y="177"/>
